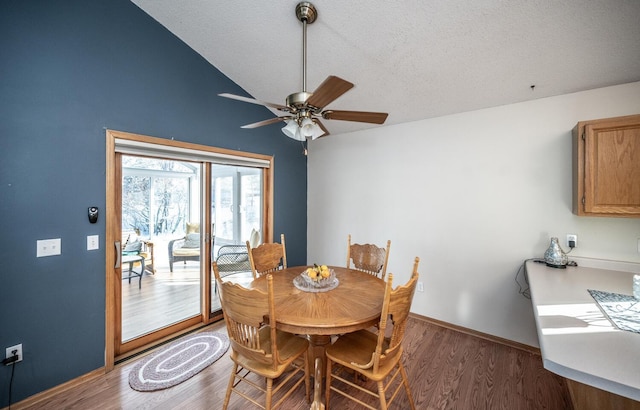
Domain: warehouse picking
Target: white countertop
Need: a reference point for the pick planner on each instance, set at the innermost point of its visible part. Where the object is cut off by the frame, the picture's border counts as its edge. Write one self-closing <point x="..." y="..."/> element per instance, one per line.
<point x="577" y="340"/>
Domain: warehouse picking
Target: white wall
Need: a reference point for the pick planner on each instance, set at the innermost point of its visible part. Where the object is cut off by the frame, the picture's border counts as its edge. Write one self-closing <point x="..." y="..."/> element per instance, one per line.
<point x="473" y="195"/>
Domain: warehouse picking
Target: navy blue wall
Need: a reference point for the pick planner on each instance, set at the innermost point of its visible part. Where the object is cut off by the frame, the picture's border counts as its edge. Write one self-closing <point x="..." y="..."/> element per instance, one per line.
<point x="68" y="70"/>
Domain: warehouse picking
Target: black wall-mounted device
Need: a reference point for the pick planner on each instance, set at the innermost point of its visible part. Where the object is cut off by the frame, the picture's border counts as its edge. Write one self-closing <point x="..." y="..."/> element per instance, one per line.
<point x="93" y="214"/>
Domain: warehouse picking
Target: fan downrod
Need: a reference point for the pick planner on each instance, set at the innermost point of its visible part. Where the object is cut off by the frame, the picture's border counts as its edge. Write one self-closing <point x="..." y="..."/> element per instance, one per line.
<point x="306" y="11"/>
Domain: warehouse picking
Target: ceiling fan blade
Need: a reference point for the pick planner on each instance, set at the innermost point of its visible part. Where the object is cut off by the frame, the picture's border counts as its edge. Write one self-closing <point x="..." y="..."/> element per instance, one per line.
<point x="254" y="101"/>
<point x="322" y="127"/>
<point x="266" y="122"/>
<point x="358" y="116"/>
<point x="330" y="89"/>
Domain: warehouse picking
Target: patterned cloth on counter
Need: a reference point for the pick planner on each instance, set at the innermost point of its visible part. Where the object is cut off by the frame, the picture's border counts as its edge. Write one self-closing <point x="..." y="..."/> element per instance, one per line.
<point x="622" y="310"/>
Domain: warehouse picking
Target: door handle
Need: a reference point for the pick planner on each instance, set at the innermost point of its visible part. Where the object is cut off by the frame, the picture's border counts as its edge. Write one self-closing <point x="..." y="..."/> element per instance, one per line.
<point x="118" y="254"/>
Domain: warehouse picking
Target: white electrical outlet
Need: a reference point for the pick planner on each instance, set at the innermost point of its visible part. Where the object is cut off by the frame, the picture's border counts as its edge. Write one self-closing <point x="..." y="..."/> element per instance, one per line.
<point x="573" y="238"/>
<point x="420" y="287"/>
<point x="93" y="242"/>
<point x="48" y="247"/>
<point x="10" y="350"/>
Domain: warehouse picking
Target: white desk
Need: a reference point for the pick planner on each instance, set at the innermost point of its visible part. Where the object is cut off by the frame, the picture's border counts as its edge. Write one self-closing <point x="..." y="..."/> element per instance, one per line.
<point x="577" y="340"/>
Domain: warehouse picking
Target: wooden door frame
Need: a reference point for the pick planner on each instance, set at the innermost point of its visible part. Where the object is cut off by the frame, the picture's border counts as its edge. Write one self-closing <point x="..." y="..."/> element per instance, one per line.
<point x="113" y="228"/>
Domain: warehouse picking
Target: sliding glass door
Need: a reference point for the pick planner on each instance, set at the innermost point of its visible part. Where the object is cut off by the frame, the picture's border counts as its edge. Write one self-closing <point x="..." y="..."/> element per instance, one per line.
<point x="171" y="208"/>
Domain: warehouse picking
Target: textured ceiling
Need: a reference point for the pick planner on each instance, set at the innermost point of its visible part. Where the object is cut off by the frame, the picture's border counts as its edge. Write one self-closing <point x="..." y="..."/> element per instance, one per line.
<point x="414" y="59"/>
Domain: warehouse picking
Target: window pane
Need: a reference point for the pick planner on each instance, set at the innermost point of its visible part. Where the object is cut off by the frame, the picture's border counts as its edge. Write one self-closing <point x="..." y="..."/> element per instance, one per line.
<point x="237" y="202"/>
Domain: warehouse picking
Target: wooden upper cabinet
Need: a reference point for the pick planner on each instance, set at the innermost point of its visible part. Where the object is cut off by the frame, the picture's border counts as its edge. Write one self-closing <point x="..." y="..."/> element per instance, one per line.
<point x="606" y="175"/>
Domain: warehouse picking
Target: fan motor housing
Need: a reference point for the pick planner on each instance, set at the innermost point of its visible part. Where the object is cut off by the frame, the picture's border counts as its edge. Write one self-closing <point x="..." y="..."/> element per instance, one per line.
<point x="306" y="11"/>
<point x="298" y="100"/>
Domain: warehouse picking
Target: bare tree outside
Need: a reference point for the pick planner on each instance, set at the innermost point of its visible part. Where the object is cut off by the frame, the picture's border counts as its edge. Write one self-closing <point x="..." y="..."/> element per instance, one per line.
<point x="155" y="195"/>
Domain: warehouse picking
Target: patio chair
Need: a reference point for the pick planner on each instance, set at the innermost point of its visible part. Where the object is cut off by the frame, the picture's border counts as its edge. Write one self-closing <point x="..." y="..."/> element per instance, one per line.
<point x="186" y="248"/>
<point x="233" y="258"/>
<point x="134" y="245"/>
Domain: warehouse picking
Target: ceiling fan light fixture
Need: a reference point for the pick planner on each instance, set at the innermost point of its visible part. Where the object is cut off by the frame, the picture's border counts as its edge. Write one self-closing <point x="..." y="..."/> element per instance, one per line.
<point x="306" y="126"/>
<point x="311" y="129"/>
<point x="292" y="130"/>
<point x="318" y="132"/>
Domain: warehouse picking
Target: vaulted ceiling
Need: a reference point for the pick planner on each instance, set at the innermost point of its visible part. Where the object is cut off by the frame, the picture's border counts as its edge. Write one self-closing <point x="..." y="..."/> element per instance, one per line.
<point x="414" y="59"/>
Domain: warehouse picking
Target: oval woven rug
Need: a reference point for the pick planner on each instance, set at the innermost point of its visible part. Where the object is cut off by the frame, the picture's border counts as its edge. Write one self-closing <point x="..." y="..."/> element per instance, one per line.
<point x="178" y="361"/>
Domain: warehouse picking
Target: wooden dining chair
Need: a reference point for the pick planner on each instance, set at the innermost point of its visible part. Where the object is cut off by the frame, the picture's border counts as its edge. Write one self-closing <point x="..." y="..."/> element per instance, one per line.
<point x="267" y="257"/>
<point x="376" y="356"/>
<point x="368" y="258"/>
<point x="258" y="347"/>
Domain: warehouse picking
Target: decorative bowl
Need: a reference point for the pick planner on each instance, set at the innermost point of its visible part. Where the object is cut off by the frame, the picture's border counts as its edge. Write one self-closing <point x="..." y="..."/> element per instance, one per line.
<point x="322" y="280"/>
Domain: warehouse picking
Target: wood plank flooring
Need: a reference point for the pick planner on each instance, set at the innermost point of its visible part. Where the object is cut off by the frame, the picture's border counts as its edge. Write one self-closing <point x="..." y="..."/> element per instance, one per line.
<point x="447" y="370"/>
<point x="163" y="299"/>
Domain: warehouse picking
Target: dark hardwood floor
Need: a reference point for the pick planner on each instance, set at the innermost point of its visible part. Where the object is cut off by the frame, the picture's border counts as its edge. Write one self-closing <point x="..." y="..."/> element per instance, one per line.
<point x="447" y="370"/>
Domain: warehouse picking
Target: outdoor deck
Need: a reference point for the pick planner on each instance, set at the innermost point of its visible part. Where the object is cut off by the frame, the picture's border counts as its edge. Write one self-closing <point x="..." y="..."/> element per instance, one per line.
<point x="164" y="297"/>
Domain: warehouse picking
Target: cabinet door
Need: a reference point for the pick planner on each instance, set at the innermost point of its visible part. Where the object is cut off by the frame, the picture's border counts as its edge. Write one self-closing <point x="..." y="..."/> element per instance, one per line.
<point x="611" y="166"/>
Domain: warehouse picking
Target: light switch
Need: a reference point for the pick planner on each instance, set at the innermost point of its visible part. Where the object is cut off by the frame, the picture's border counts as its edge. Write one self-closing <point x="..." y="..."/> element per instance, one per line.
<point x="93" y="242"/>
<point x="48" y="247"/>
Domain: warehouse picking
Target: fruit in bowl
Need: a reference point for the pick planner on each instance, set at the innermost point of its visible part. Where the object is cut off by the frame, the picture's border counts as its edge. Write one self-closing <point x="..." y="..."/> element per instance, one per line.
<point x="318" y="278"/>
<point x="318" y="272"/>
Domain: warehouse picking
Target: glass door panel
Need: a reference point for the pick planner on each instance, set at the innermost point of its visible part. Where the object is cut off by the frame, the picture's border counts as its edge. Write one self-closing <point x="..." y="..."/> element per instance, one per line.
<point x="223" y="207"/>
<point x="251" y="203"/>
<point x="161" y="227"/>
<point x="236" y="200"/>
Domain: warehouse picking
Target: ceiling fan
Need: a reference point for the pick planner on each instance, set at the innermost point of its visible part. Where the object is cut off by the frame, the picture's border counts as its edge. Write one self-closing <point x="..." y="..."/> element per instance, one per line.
<point x="305" y="109"/>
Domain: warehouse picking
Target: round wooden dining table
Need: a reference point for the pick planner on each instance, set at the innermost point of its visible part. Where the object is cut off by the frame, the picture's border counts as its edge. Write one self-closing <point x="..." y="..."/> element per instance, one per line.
<point x="355" y="304"/>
